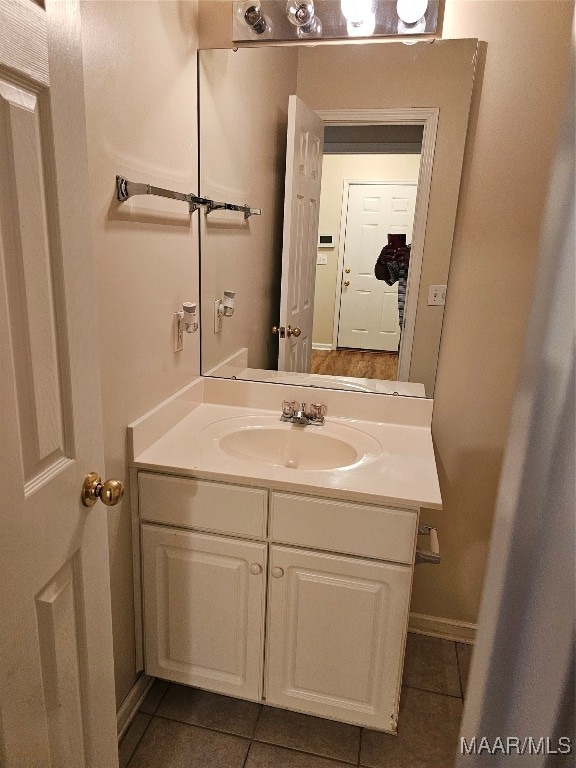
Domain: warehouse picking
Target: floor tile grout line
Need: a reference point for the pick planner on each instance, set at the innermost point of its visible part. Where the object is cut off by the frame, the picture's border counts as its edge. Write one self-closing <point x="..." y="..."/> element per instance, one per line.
<point x="152" y="716"/>
<point x="257" y="721"/>
<point x="247" y="754"/>
<point x="204" y="727"/>
<point x="252" y="738"/>
<point x="360" y="745"/>
<point x="430" y="690"/>
<point x="141" y="737"/>
<point x="156" y="708"/>
<point x="244" y="764"/>
<point x="303" y="751"/>
<point x="459" y="671"/>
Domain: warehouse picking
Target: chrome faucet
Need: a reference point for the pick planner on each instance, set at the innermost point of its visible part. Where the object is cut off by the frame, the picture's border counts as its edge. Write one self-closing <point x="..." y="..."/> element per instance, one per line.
<point x="304" y="414"/>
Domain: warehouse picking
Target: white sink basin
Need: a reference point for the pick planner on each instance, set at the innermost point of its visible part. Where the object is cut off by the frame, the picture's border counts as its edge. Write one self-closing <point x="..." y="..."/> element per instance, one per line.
<point x="296" y="448"/>
<point x="268" y="441"/>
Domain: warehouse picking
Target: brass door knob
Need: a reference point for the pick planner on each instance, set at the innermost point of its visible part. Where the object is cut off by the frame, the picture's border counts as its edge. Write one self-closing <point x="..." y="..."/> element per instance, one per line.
<point x="346" y="283"/>
<point x="347" y="271"/>
<point x="279" y="329"/>
<point x="93" y="489"/>
<point x="293" y="331"/>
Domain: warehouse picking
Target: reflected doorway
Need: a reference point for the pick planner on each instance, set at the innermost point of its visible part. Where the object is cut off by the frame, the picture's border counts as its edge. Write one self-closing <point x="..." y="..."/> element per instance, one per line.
<point x="369" y="185"/>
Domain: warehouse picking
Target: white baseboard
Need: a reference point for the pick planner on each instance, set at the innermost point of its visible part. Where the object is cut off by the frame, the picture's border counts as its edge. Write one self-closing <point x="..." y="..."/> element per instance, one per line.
<point x="326" y="347"/>
<point x="448" y="629"/>
<point x="131" y="703"/>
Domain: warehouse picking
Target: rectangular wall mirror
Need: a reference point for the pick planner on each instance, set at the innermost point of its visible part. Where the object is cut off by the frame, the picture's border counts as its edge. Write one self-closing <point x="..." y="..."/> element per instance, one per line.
<point x="345" y="148"/>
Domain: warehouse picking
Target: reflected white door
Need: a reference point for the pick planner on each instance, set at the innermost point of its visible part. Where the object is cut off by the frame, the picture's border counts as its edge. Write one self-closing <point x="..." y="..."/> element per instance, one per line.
<point x="305" y="144"/>
<point x="369" y="307"/>
<point x="57" y="705"/>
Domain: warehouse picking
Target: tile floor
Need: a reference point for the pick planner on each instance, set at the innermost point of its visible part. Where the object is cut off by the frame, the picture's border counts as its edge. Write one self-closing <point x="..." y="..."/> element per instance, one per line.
<point x="181" y="727"/>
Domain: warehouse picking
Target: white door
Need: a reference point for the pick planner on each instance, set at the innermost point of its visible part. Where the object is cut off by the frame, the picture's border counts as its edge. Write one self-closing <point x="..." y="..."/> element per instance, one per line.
<point x="204" y="610"/>
<point x="305" y="144"/>
<point x="369" y="307"/>
<point x="336" y="634"/>
<point x="57" y="706"/>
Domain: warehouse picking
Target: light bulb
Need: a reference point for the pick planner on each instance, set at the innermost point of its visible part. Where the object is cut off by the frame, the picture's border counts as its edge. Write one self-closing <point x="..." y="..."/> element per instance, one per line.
<point x="360" y="17"/>
<point x="411" y="11"/>
<point x="300" y="13"/>
<point x="250" y="13"/>
<point x="356" y="12"/>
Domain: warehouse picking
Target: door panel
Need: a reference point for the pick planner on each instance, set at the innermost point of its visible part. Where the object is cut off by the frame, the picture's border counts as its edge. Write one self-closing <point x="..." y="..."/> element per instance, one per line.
<point x="59" y="620"/>
<point x="336" y="636"/>
<point x="57" y="703"/>
<point x="369" y="307"/>
<point x="185" y="576"/>
<point x="305" y="142"/>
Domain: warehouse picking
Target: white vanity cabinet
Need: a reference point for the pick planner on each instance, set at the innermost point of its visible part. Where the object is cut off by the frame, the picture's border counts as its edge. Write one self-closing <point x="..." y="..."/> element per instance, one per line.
<point x="333" y="578"/>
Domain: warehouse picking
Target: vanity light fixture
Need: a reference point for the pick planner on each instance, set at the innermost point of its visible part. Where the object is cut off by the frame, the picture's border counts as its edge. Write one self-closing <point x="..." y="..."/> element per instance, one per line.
<point x="308" y="20"/>
<point x="301" y="14"/>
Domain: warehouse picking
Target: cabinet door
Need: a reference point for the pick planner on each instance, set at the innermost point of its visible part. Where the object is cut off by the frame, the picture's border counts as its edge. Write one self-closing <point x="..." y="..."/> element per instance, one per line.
<point x="336" y="636"/>
<point x="204" y="601"/>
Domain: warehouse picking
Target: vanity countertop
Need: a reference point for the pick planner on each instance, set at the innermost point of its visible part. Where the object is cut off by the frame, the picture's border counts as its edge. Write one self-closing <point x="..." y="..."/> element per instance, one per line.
<point x="396" y="467"/>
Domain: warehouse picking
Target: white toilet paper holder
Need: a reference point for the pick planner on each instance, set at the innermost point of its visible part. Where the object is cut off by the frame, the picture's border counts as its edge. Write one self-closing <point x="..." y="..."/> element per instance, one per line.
<point x="431" y="555"/>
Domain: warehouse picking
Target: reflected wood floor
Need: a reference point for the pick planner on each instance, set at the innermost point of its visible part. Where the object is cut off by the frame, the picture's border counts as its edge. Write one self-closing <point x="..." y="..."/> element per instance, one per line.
<point x="355" y="362"/>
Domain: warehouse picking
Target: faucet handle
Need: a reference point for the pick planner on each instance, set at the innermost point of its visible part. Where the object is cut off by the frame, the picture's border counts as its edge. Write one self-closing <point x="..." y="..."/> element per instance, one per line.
<point x="316" y="411"/>
<point x="288" y="408"/>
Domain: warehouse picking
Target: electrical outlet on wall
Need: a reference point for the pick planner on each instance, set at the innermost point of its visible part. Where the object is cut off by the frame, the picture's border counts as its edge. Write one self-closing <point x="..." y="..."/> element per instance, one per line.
<point x="217" y="316"/>
<point x="178" y="333"/>
<point x="436" y="295"/>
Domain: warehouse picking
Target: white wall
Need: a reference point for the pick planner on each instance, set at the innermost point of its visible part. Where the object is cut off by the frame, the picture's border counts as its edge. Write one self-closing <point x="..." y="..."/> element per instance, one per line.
<point x="140" y="83"/>
<point x="335" y="170"/>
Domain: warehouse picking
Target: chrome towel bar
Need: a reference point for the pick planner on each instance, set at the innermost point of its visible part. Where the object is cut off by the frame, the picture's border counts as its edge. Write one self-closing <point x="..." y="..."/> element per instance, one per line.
<point x="126" y="189"/>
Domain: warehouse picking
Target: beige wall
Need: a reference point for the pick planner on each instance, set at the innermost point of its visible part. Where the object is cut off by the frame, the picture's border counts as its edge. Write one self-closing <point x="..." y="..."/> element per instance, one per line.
<point x="335" y="170"/>
<point x="244" y="160"/>
<point x="515" y="116"/>
<point x="140" y="83"/>
<point x="399" y="76"/>
<point x="140" y="93"/>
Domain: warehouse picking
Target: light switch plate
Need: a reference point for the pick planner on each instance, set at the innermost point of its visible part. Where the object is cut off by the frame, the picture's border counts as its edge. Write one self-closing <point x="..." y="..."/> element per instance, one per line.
<point x="322" y="258"/>
<point x="436" y="295"/>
